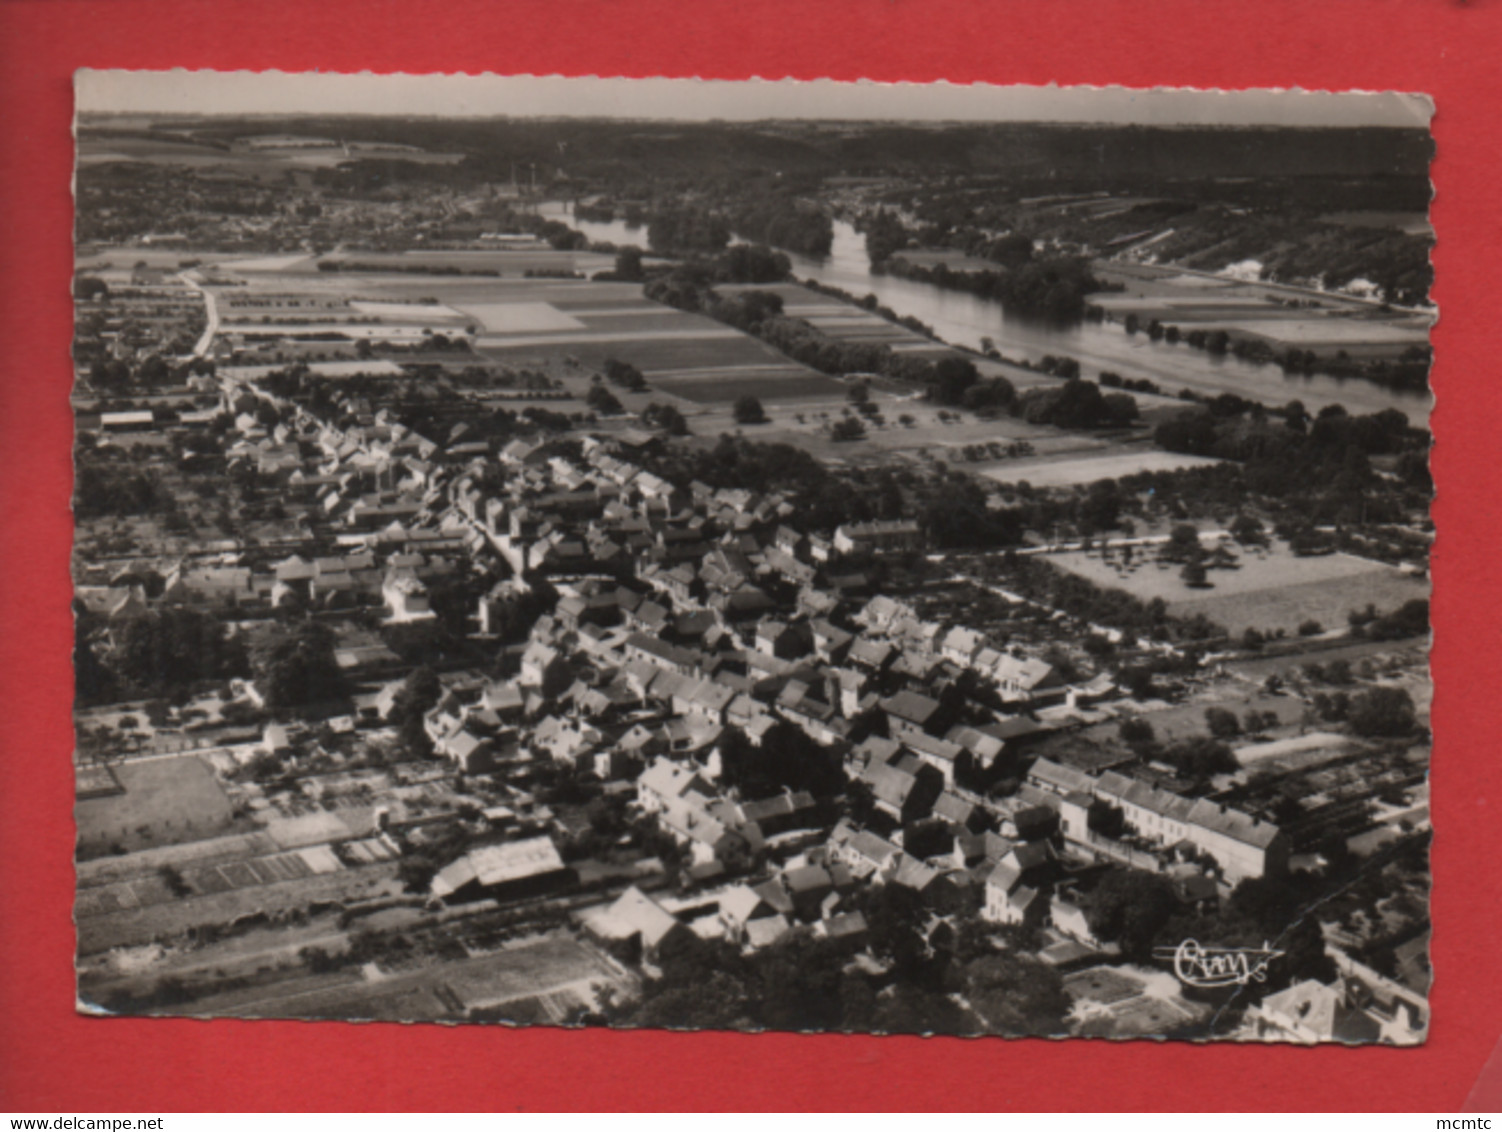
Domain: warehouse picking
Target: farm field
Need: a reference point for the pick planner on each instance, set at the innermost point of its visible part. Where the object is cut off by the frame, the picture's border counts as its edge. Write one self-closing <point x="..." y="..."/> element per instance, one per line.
<point x="507" y="261"/>
<point x="271" y="263"/>
<point x="165" y="801"/>
<point x="1337" y="333"/>
<point x="658" y="354"/>
<point x="766" y="383"/>
<point x="532" y="321"/>
<point x="1272" y="589"/>
<point x="100" y="148"/>
<point x="1087" y="467"/>
<point x="1256" y="310"/>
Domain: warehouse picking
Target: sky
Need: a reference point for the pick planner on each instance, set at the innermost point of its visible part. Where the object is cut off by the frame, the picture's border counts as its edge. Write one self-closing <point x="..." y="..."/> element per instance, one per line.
<point x="183" y="92"/>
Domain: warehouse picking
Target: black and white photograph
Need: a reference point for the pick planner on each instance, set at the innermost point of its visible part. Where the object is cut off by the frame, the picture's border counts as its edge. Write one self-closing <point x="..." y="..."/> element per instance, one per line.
<point x="798" y="556"/>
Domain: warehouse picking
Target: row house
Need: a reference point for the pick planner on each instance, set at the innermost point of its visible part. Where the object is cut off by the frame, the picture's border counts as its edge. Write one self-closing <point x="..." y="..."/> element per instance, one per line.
<point x="878" y="537"/>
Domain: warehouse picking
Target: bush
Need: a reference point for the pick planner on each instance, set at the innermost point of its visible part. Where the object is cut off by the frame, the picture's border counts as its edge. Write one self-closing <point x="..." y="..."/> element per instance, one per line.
<point x="1222" y="723"/>
<point x="624" y="374"/>
<point x="848" y="428"/>
<point x="748" y="411"/>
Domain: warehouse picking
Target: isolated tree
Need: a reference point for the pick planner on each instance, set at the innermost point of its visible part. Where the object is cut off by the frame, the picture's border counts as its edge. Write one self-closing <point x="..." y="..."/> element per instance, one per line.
<point x="666" y="417"/>
<point x="628" y="264"/>
<point x="602" y="401"/>
<point x="1183" y="540"/>
<point x="1247" y="530"/>
<point x="847" y="428"/>
<point x="747" y="411"/>
<point x="419" y="692"/>
<point x="1222" y="723"/>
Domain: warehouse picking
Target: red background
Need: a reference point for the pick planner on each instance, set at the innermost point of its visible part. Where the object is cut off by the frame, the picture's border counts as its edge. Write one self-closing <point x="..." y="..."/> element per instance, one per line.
<point x="53" y="1060"/>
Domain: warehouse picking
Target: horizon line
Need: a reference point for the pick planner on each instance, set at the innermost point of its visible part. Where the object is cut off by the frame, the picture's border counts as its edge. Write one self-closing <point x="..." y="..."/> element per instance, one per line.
<point x="218" y="94"/>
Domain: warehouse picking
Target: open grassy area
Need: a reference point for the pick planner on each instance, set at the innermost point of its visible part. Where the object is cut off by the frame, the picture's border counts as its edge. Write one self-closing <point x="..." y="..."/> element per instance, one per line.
<point x="1288" y="606"/>
<point x="1187" y="721"/>
<point x="532" y="969"/>
<point x="1271" y="589"/>
<point x="164" y="801"/>
<point x="507" y="262"/>
<point x="1087" y="467"/>
<point x="657" y="353"/>
<point x="763" y="383"/>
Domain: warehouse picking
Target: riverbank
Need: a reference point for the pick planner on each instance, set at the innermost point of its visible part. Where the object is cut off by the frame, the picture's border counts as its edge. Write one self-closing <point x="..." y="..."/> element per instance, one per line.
<point x="965" y="322"/>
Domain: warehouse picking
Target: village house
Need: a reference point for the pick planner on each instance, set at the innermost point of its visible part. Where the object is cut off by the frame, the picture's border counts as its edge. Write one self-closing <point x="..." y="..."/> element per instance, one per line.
<point x="1310" y="1011"/>
<point x="906" y="796"/>
<point x="638" y="924"/>
<point x="909" y="713"/>
<point x="938" y="753"/>
<point x="406" y="596"/>
<point x="1028" y="681"/>
<point x="866" y="855"/>
<point x="962" y="645"/>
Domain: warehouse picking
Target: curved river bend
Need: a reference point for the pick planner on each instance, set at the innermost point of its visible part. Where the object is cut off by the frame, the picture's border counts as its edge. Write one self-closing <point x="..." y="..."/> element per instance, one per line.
<point x="964" y="319"/>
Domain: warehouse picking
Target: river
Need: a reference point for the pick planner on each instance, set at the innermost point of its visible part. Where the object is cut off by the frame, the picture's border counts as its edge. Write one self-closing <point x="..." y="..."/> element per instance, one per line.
<point x="964" y="319"/>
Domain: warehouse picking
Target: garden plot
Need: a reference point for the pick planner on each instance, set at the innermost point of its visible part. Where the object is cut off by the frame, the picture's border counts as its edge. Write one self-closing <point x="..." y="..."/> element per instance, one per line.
<point x="138" y="925"/>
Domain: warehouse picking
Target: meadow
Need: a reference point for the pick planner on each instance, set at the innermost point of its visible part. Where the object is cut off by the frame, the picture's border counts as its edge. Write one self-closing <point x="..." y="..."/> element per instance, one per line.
<point x="1272" y="589"/>
<point x="165" y="800"/>
<point x="1087" y="467"/>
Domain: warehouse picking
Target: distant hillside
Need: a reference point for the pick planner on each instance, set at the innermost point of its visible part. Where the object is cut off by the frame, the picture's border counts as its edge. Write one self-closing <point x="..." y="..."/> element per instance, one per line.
<point x="1074" y="154"/>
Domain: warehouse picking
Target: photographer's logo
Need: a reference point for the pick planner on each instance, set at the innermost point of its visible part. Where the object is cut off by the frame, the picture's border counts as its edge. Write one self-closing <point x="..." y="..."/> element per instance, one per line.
<point x="1199" y="966"/>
